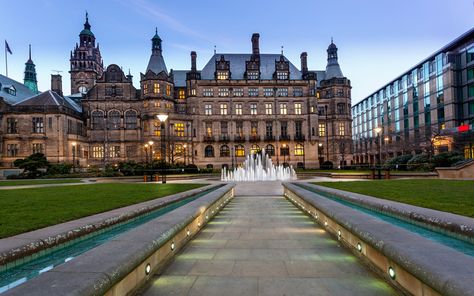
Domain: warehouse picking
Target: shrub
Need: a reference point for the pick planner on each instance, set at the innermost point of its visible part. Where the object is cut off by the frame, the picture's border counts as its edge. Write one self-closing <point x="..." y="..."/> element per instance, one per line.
<point x="327" y="165"/>
<point x="399" y="162"/>
<point x="59" y="169"/>
<point x="420" y="162"/>
<point x="32" y="165"/>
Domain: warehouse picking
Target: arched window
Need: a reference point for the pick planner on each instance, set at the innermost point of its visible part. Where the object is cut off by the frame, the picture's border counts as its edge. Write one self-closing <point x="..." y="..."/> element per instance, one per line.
<point x="225" y="151"/>
<point x="131" y="119"/>
<point x="239" y="150"/>
<point x="113" y="122"/>
<point x="270" y="150"/>
<point x="209" y="151"/>
<point x="299" y="150"/>
<point x="97" y="117"/>
<point x="254" y="149"/>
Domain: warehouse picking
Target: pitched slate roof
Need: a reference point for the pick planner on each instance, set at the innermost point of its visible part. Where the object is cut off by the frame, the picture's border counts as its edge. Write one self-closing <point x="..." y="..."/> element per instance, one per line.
<point x="156" y="64"/>
<point x="179" y="78"/>
<point x="49" y="98"/>
<point x="237" y="66"/>
<point x="333" y="70"/>
<point x="22" y="91"/>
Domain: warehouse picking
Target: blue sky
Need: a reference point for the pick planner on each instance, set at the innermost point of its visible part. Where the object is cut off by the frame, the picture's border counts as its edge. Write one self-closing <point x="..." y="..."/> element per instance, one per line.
<point x="377" y="39"/>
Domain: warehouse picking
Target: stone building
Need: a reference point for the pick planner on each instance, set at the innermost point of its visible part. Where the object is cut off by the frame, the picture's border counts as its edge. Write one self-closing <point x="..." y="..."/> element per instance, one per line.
<point x="429" y="108"/>
<point x="238" y="103"/>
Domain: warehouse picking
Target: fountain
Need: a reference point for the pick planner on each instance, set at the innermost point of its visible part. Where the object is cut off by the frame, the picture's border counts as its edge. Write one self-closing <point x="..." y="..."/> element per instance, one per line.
<point x="258" y="167"/>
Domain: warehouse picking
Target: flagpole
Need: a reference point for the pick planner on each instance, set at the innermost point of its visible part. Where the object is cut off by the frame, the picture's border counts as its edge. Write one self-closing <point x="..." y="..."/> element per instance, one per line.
<point x="6" y="60"/>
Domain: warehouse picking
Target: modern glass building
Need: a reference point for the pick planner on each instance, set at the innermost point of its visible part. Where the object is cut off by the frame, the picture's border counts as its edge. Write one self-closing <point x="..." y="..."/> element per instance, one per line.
<point x="429" y="108"/>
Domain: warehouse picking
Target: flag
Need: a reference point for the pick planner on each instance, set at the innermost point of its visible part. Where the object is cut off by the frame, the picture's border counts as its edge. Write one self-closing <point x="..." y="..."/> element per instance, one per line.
<point x="7" y="47"/>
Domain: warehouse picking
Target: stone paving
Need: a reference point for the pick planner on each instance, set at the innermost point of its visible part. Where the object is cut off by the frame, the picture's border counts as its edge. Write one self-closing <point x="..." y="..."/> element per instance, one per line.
<point x="260" y="244"/>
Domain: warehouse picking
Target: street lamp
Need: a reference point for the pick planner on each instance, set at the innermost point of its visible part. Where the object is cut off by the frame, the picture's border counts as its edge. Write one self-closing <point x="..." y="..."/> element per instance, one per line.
<point x="320" y="152"/>
<point x="284" y="154"/>
<point x="184" y="151"/>
<point x="378" y="130"/>
<point x="162" y="118"/>
<point x="74" y="156"/>
<point x="146" y="152"/>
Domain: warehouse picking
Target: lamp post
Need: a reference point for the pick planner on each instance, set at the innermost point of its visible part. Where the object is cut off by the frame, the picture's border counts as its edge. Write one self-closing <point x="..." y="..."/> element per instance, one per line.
<point x="162" y="118"/>
<point x="327" y="132"/>
<point x="320" y="151"/>
<point x="150" y="143"/>
<point x="379" y="138"/>
<point x="74" y="156"/>
<point x="146" y="152"/>
<point x="184" y="152"/>
<point x="386" y="141"/>
<point x="284" y="155"/>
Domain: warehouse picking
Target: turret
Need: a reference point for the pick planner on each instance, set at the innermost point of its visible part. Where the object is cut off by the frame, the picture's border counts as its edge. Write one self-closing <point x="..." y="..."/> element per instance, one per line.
<point x="30" y="74"/>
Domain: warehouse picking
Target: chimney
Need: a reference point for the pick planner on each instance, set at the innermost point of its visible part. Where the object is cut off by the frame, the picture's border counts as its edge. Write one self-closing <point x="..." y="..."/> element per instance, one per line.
<point x="304" y="62"/>
<point x="57" y="84"/>
<point x="255" y="47"/>
<point x="193" y="61"/>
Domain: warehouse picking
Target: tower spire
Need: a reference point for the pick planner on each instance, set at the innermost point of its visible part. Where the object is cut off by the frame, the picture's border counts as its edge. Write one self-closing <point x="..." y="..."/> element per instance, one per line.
<point x="30" y="73"/>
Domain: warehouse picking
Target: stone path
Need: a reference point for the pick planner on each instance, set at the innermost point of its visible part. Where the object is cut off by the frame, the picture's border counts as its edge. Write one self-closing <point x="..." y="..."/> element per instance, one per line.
<point x="260" y="244"/>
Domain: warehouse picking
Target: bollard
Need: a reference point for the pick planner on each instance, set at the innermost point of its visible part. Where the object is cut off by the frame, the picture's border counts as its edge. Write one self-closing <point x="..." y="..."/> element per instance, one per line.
<point x="144" y="178"/>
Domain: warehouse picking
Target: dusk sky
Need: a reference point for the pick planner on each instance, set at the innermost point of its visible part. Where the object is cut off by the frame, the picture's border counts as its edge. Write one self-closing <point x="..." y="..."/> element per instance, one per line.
<point x="377" y="40"/>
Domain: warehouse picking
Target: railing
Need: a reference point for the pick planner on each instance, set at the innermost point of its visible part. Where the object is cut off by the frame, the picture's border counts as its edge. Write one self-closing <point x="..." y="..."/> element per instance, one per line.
<point x="299" y="138"/>
<point x="239" y="139"/>
<point x="208" y="139"/>
<point x="269" y="138"/>
<point x="254" y="138"/>
<point x="224" y="138"/>
<point x="285" y="138"/>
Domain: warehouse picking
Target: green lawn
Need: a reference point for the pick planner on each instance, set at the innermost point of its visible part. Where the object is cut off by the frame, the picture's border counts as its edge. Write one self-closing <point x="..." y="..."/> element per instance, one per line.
<point x="444" y="195"/>
<point x="37" y="182"/>
<point x="23" y="210"/>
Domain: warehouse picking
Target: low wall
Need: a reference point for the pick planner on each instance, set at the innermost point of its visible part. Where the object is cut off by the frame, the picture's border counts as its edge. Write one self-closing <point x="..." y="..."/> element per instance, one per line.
<point x="464" y="171"/>
<point x="126" y="262"/>
<point x="408" y="261"/>
<point x="458" y="226"/>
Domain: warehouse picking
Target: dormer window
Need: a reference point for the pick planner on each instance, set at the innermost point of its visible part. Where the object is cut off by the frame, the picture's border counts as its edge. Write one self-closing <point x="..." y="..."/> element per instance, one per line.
<point x="10" y="89"/>
<point x="222" y="75"/>
<point x="252" y="75"/>
<point x="282" y="75"/>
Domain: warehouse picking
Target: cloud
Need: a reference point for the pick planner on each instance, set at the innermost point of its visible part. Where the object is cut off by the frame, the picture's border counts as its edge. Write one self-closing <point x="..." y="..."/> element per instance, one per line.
<point x="154" y="12"/>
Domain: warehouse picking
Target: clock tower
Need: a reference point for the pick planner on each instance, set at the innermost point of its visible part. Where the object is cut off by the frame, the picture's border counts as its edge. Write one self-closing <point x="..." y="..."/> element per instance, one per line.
<point x="86" y="61"/>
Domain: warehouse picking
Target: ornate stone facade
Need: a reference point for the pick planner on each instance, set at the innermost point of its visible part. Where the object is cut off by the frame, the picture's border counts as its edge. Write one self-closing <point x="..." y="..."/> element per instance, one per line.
<point x="235" y="105"/>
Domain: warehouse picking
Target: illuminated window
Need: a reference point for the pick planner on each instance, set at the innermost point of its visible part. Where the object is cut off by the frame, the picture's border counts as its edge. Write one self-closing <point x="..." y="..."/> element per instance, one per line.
<point x="239" y="150"/>
<point x="299" y="150"/>
<point x="114" y="151"/>
<point x="268" y="108"/>
<point x="297" y="108"/>
<point x="97" y="151"/>
<point x="157" y="128"/>
<point x="254" y="128"/>
<point x="238" y="109"/>
<point x="322" y="129"/>
<point x="193" y="92"/>
<point x="181" y="94"/>
<point x="168" y="90"/>
<point x="179" y="129"/>
<point x="208" y="109"/>
<point x="222" y="75"/>
<point x="145" y="89"/>
<point x="223" y="92"/>
<point x="223" y="109"/>
<point x="156" y="88"/>
<point x="208" y="129"/>
<point x="341" y="129"/>
<point x="254" y="149"/>
<point x="283" y="109"/>
<point x="253" y="108"/>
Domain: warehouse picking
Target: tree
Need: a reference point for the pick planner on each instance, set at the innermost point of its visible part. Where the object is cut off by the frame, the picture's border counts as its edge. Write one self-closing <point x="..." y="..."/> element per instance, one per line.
<point x="32" y="164"/>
